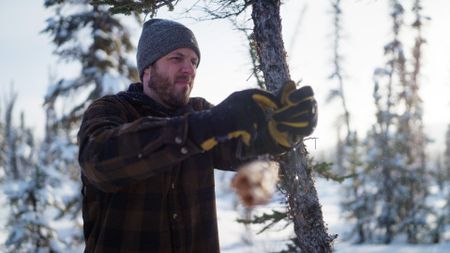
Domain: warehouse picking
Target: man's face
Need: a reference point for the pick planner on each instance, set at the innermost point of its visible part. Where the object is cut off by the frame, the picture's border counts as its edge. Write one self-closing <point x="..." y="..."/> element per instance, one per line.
<point x="171" y="78"/>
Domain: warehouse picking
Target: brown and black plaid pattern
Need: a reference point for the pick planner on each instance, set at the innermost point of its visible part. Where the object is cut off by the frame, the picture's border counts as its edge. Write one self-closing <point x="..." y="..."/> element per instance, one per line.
<point x="147" y="187"/>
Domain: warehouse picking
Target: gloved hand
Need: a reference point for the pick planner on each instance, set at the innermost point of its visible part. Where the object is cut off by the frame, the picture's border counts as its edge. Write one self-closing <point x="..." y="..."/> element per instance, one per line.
<point x="238" y="116"/>
<point x="296" y="115"/>
<point x="254" y="114"/>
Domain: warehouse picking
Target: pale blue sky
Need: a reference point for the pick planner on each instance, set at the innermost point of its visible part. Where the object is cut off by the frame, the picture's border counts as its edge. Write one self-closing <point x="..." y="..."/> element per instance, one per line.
<point x="25" y="58"/>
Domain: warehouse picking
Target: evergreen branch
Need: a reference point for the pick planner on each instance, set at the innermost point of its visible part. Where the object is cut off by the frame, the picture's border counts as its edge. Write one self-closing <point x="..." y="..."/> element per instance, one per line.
<point x="128" y="7"/>
<point x="324" y="169"/>
<point x="225" y="9"/>
<point x="273" y="218"/>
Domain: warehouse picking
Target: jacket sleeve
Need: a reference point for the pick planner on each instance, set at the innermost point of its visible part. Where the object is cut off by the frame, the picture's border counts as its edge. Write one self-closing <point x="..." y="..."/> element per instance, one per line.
<point x="114" y="152"/>
<point x="226" y="155"/>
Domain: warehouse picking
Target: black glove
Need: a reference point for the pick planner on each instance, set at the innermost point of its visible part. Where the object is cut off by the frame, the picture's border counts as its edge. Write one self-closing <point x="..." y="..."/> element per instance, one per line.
<point x="238" y="116"/>
<point x="296" y="115"/>
<point x="258" y="118"/>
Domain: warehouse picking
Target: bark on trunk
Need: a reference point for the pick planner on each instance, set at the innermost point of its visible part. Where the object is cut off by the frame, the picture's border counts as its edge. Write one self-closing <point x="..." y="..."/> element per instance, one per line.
<point x="270" y="46"/>
<point x="304" y="207"/>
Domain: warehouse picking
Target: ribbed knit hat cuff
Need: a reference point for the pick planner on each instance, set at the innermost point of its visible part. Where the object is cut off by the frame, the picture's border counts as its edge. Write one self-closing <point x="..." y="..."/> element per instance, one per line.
<point x="147" y="61"/>
<point x="159" y="37"/>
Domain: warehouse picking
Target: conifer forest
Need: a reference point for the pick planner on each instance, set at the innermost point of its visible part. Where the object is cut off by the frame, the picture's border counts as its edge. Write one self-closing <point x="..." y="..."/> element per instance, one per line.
<point x="373" y="177"/>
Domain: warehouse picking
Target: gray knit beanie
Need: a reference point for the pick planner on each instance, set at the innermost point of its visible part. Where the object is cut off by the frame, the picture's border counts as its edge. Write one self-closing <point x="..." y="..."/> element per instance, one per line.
<point x="160" y="37"/>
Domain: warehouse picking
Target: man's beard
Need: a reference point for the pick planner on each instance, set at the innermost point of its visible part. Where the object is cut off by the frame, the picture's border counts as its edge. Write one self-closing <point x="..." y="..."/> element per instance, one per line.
<point x="165" y="89"/>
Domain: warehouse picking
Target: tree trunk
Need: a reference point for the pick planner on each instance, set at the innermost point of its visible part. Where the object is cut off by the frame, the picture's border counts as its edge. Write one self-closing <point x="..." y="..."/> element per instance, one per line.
<point x="304" y="207"/>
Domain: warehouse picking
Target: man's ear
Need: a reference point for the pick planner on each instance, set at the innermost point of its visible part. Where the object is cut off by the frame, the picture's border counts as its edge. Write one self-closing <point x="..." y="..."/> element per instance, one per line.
<point x="146" y="75"/>
<point x="148" y="70"/>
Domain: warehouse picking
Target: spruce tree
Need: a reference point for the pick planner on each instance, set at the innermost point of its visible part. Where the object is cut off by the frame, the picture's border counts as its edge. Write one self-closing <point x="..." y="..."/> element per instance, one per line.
<point x="2" y="148"/>
<point x="358" y="199"/>
<point x="411" y="142"/>
<point x="57" y="155"/>
<point x="397" y="141"/>
<point x="349" y="154"/>
<point x="99" y="42"/>
<point x="381" y="166"/>
<point x="446" y="191"/>
<point x="10" y="139"/>
<point x="29" y="197"/>
<point x="441" y="222"/>
<point x="89" y="36"/>
<point x="382" y="153"/>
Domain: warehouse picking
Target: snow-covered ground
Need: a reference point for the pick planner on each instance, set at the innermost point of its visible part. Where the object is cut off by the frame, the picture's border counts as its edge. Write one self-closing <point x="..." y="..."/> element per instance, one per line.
<point x="231" y="232"/>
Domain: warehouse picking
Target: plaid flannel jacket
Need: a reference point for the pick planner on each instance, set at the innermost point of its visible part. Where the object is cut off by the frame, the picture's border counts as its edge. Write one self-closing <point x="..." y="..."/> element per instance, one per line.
<point x="146" y="186"/>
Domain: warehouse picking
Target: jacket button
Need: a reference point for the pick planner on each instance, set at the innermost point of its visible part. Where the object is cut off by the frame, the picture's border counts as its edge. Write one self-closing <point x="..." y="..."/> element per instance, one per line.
<point x="184" y="150"/>
<point x="178" y="140"/>
<point x="174" y="216"/>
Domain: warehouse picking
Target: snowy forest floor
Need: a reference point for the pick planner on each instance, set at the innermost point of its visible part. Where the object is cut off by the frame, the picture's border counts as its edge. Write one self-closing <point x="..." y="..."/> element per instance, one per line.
<point x="272" y="240"/>
<point x="232" y="234"/>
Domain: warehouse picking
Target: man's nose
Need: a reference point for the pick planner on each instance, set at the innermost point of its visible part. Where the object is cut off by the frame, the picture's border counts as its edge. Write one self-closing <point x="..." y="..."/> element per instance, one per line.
<point x="189" y="68"/>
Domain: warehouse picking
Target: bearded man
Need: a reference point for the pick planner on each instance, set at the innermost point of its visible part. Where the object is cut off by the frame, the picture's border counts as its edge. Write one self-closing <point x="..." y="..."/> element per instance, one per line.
<point x="147" y="154"/>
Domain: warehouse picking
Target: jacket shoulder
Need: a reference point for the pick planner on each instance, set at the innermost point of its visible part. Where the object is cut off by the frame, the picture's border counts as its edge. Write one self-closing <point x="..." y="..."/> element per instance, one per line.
<point x="114" y="105"/>
<point x="107" y="99"/>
